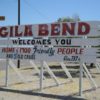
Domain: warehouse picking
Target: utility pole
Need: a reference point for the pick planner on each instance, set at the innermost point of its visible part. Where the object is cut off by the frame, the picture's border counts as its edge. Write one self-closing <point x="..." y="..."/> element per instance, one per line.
<point x="18" y="62"/>
<point x="18" y="12"/>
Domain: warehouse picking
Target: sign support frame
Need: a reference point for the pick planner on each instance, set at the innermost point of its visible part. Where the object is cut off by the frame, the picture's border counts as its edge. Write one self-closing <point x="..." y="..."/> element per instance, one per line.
<point x="41" y="76"/>
<point x="81" y="79"/>
<point x="7" y="72"/>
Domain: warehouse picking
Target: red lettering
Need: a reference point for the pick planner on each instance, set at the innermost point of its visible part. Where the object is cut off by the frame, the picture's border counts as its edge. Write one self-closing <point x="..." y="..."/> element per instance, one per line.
<point x="25" y="50"/>
<point x="62" y="29"/>
<point x="81" y="51"/>
<point x="11" y="31"/>
<point x="43" y="30"/>
<point x="59" y="50"/>
<point x="55" y="29"/>
<point x="83" y="28"/>
<point x="70" y="51"/>
<point x="28" y="30"/>
<point x="73" y="50"/>
<point x="3" y="32"/>
<point x="6" y="50"/>
<point x="68" y="29"/>
<point x="17" y="34"/>
<point x="67" y="51"/>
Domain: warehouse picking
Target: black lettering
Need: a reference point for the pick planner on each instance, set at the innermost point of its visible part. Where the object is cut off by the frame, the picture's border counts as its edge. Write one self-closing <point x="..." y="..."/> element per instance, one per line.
<point x="57" y="41"/>
<point x="15" y="41"/>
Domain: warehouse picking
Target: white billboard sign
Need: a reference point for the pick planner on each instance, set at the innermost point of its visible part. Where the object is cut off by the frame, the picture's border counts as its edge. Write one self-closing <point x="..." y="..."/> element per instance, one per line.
<point x="50" y="42"/>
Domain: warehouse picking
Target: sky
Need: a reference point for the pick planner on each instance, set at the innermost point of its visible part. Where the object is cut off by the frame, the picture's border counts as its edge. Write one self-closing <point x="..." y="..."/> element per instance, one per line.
<point x="48" y="11"/>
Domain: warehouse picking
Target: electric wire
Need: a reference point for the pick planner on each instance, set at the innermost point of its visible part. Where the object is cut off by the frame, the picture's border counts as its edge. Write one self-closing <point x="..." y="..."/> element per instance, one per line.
<point x="36" y="10"/>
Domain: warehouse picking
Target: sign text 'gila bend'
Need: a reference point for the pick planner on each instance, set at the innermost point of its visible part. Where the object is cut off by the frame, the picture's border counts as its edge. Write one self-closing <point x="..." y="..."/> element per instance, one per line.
<point x="49" y="30"/>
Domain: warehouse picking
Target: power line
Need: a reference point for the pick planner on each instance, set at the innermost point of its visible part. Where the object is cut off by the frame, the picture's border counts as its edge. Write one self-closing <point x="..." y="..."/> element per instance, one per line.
<point x="36" y="10"/>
